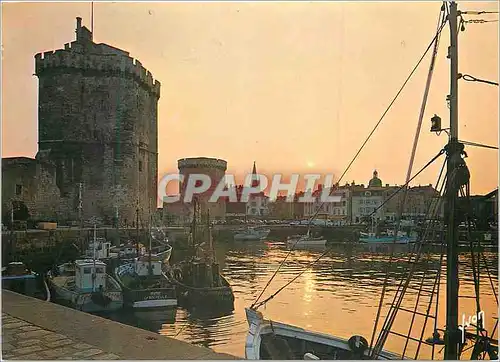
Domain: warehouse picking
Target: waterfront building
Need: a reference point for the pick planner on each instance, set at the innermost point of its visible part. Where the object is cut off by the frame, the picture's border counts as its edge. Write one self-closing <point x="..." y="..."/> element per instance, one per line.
<point x="337" y="212"/>
<point x="238" y="209"/>
<point x="365" y="200"/>
<point x="281" y="208"/>
<point x="419" y="200"/>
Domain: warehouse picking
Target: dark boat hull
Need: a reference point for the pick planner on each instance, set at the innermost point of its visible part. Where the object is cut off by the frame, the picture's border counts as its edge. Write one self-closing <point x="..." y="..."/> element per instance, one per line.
<point x="34" y="286"/>
<point x="188" y="297"/>
<point x="142" y="296"/>
<point x="149" y="298"/>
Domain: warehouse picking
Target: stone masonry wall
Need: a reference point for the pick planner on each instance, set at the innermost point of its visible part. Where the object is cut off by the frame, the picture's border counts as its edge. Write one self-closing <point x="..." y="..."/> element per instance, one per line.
<point x="98" y="126"/>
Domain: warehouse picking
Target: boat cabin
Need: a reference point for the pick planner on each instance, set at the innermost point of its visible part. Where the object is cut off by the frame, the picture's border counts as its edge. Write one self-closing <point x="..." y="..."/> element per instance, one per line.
<point x="141" y="266"/>
<point x="90" y="275"/>
<point x="128" y="250"/>
<point x="100" y="247"/>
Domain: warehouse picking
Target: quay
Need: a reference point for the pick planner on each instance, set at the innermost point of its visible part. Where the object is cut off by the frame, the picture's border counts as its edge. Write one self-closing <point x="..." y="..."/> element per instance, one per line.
<point x="46" y="239"/>
<point x="36" y="330"/>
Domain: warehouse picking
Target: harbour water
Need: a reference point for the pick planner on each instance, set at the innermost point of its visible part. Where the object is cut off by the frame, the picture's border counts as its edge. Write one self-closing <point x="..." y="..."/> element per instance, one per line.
<point x="338" y="295"/>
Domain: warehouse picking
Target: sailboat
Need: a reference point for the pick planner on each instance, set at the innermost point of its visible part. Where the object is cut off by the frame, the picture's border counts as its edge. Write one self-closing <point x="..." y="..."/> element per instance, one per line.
<point x="198" y="280"/>
<point x="252" y="233"/>
<point x="85" y="285"/>
<point x="267" y="339"/>
<point x="305" y="241"/>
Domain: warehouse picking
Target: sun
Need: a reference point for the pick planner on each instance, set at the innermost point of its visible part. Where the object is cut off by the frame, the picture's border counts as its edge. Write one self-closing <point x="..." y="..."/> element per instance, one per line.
<point x="310" y="164"/>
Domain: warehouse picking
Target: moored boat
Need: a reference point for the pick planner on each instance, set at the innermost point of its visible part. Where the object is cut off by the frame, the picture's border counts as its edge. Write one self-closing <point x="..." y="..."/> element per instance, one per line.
<point x="305" y="241"/>
<point x="372" y="238"/>
<point x="18" y="278"/>
<point x="252" y="233"/>
<point x="200" y="284"/>
<point x="198" y="280"/>
<point x="275" y="340"/>
<point x="100" y="249"/>
<point x="86" y="286"/>
<point x="144" y="284"/>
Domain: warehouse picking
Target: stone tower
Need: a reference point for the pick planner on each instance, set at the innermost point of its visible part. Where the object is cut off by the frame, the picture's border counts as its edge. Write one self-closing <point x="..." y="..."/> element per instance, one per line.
<point x="98" y="125"/>
<point x="216" y="170"/>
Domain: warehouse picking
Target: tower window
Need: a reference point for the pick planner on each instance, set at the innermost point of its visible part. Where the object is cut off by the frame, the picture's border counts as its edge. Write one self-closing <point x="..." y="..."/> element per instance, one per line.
<point x="140" y="166"/>
<point x="19" y="190"/>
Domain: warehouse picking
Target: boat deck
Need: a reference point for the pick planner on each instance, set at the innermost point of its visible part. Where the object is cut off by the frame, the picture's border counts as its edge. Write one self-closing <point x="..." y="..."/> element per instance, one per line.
<point x="135" y="282"/>
<point x="68" y="282"/>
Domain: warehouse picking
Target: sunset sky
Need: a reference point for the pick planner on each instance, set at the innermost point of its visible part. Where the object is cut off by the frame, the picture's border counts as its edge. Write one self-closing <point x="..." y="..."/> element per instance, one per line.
<point x="296" y="87"/>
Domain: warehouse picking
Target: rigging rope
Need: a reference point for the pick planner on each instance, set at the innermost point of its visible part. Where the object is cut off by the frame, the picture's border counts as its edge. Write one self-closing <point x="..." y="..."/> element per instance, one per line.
<point x="410" y="180"/>
<point x="362" y="146"/>
<point x="473" y="12"/>
<point x="385" y="112"/>
<point x="470" y="78"/>
<point x="468" y="143"/>
<point x="395" y="98"/>
<point x="384" y="288"/>
<point x="479" y="21"/>
<point x="440" y="25"/>
<point x="292" y="280"/>
<point x="403" y="285"/>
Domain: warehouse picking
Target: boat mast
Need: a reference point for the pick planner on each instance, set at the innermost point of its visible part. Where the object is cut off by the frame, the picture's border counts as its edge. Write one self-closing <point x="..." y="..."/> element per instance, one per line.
<point x="193" y="226"/>
<point x="80" y="214"/>
<point x="452" y="335"/>
<point x="137" y="229"/>
<point x="210" y="243"/>
<point x="149" y="239"/>
<point x="93" y="270"/>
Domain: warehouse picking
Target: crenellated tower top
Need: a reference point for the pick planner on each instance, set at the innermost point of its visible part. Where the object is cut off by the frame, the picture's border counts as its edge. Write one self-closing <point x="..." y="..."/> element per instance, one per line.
<point x="202" y="162"/>
<point x="86" y="56"/>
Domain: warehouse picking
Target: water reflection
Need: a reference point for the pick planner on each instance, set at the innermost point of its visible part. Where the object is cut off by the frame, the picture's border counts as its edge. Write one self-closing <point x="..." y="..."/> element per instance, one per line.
<point x="338" y="295"/>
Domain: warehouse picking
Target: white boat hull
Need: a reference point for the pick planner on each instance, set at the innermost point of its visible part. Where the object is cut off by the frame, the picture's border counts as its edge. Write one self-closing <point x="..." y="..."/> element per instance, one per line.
<point x="252" y="235"/>
<point x="162" y="303"/>
<point x="83" y="300"/>
<point x="305" y="243"/>
<point x="257" y="348"/>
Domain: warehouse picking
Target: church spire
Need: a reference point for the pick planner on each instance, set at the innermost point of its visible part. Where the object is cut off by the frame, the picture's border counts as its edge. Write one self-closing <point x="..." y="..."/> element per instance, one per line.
<point x="255" y="181"/>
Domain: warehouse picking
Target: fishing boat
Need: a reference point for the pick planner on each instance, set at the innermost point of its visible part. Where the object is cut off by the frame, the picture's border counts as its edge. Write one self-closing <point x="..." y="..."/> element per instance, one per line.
<point x="143" y="282"/>
<point x="100" y="249"/>
<point x="252" y="233"/>
<point x="85" y="285"/>
<point x="144" y="285"/>
<point x="198" y="280"/>
<point x="268" y="339"/>
<point x="16" y="277"/>
<point x="200" y="285"/>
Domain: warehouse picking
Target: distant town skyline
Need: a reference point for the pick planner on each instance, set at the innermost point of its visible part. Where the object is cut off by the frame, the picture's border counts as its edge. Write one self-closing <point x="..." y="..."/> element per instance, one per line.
<point x="296" y="87"/>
